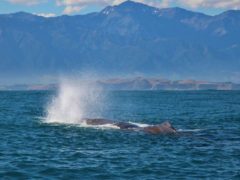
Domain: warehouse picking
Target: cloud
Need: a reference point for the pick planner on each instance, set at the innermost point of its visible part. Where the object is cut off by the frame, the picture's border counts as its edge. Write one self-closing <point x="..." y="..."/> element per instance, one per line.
<point x="216" y="4"/>
<point x="223" y="4"/>
<point x="26" y="2"/>
<point x="82" y="2"/>
<point x="72" y="9"/>
<point x="47" y="15"/>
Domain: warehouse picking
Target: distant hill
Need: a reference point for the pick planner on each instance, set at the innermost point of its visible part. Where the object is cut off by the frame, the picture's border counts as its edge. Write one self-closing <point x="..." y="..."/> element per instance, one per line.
<point x="130" y="38"/>
<point x="138" y="83"/>
<point x="164" y="84"/>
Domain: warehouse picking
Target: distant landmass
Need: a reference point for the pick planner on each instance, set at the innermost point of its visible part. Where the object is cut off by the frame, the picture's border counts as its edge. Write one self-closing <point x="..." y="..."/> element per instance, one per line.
<point x="130" y="38"/>
<point x="139" y="83"/>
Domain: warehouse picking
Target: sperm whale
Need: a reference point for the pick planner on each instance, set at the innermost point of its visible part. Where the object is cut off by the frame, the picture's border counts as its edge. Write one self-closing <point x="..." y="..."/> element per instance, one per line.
<point x="163" y="128"/>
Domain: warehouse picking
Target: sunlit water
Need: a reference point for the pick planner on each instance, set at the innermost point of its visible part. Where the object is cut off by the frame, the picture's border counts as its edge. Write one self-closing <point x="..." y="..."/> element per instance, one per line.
<point x="32" y="147"/>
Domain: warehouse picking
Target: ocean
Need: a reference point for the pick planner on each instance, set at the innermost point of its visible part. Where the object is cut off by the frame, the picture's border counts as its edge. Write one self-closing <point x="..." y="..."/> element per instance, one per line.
<point x="42" y="136"/>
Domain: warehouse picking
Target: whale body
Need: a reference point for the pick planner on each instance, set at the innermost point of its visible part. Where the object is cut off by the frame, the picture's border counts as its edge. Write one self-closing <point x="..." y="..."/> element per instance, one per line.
<point x="163" y="128"/>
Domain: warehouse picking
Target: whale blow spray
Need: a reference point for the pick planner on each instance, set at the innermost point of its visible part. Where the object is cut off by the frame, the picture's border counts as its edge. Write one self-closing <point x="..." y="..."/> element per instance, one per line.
<point x="76" y="99"/>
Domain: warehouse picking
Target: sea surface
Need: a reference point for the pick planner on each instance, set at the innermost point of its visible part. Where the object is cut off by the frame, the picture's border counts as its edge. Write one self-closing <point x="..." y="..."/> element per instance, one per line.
<point x="33" y="147"/>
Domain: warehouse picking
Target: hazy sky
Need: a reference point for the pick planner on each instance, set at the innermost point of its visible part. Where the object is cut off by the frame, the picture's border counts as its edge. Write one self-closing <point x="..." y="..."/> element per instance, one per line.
<point x="59" y="7"/>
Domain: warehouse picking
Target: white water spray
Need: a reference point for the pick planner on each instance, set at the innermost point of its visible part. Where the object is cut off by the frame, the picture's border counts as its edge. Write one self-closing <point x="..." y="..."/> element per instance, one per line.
<point x="75" y="100"/>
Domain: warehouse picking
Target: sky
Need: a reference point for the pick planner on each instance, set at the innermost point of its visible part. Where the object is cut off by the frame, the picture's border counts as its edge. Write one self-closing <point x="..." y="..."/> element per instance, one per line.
<point x="49" y="8"/>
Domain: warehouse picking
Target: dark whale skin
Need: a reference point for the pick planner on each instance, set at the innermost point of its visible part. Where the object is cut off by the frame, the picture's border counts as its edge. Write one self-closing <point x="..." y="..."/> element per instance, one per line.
<point x="164" y="128"/>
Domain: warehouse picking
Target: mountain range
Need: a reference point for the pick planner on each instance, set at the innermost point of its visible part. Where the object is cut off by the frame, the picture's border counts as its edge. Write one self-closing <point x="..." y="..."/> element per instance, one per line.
<point x="128" y="39"/>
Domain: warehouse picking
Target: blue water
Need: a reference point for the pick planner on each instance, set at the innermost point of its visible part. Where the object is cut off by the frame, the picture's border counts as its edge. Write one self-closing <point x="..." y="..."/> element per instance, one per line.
<point x="30" y="148"/>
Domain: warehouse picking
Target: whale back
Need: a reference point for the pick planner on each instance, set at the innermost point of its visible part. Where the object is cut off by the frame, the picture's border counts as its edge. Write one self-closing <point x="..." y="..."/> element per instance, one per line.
<point x="164" y="128"/>
<point x="126" y="125"/>
<point x="121" y="125"/>
<point x="96" y="122"/>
